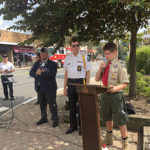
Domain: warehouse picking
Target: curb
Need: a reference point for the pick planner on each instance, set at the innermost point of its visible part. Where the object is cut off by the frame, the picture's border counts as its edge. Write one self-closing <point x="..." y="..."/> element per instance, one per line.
<point x="27" y="101"/>
<point x="59" y="92"/>
<point x="23" y="68"/>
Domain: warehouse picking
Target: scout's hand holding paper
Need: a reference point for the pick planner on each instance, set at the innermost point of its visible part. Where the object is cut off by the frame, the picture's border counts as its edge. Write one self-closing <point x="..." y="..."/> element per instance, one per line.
<point x="112" y="89"/>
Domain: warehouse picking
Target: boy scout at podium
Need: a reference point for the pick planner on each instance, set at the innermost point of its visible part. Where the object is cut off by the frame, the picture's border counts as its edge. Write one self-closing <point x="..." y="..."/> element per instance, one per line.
<point x="115" y="78"/>
<point x="77" y="70"/>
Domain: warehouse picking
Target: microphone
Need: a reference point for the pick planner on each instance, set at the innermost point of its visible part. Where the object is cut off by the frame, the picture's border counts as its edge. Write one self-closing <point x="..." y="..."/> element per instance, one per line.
<point x="102" y="70"/>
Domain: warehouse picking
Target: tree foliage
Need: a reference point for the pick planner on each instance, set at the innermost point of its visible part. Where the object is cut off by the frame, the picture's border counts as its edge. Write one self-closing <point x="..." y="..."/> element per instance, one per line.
<point x="91" y="20"/>
<point x="94" y="20"/>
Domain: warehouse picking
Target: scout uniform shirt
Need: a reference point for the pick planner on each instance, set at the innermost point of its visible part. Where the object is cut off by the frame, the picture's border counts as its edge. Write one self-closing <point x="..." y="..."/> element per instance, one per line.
<point x="75" y="65"/>
<point x="117" y="73"/>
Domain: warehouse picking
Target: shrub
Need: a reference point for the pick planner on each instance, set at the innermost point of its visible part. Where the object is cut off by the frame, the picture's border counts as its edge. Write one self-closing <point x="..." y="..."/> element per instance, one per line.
<point x="142" y="60"/>
<point x="143" y="82"/>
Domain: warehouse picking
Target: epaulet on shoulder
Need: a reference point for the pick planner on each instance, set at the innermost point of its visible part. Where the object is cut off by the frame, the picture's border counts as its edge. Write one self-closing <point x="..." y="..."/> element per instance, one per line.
<point x="85" y="55"/>
<point x="68" y="55"/>
<point x="82" y="53"/>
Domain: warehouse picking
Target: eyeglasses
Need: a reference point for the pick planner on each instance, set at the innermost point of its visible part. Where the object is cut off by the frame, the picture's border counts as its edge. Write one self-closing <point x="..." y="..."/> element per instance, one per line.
<point x="75" y="45"/>
<point x="107" y="53"/>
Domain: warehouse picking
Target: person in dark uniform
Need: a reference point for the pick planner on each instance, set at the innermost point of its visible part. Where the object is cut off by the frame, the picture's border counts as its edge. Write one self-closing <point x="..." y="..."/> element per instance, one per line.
<point x="45" y="73"/>
<point x="6" y="70"/>
<point x="77" y="70"/>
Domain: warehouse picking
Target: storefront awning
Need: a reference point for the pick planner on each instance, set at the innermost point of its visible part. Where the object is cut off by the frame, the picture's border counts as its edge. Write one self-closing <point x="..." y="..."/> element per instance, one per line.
<point x="24" y="49"/>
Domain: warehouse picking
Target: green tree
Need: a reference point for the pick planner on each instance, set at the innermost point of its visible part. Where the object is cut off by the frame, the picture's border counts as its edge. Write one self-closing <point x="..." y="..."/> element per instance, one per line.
<point x="91" y="20"/>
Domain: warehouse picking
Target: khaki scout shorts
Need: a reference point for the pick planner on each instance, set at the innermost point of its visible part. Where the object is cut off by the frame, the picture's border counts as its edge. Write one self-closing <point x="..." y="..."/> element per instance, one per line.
<point x="113" y="108"/>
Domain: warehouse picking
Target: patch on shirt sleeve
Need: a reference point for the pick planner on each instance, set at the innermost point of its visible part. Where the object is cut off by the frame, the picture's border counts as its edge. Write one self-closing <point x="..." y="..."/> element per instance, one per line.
<point x="115" y="66"/>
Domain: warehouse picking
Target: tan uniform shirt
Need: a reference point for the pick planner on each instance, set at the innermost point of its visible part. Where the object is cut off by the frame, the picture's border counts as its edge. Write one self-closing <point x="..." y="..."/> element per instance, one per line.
<point x="117" y="73"/>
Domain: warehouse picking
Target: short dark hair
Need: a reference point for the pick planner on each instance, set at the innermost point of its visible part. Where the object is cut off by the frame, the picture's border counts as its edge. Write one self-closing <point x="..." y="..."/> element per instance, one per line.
<point x="5" y="55"/>
<point x="73" y="39"/>
<point x="110" y="46"/>
<point x="43" y="49"/>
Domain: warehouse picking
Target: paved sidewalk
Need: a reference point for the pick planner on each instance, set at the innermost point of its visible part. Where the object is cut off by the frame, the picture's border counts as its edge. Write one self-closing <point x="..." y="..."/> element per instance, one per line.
<point x="32" y="137"/>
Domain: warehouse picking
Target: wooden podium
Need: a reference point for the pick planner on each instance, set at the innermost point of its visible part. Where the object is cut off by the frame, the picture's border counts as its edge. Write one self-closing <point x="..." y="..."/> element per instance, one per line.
<point x="89" y="114"/>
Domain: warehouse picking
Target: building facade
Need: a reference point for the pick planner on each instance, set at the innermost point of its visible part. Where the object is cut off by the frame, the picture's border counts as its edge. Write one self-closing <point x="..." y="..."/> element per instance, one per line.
<point x="9" y="45"/>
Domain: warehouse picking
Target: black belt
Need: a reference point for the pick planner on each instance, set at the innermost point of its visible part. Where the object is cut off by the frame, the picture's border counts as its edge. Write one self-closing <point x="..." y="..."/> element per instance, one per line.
<point x="7" y="76"/>
<point x="75" y="79"/>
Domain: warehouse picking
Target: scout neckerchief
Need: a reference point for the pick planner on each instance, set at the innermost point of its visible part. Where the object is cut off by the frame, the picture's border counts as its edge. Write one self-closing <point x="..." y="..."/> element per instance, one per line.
<point x="105" y="74"/>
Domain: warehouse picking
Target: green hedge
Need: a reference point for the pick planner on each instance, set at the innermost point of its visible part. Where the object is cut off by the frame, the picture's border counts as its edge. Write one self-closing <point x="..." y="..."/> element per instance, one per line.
<point x="142" y="60"/>
<point x="143" y="67"/>
<point x="143" y="82"/>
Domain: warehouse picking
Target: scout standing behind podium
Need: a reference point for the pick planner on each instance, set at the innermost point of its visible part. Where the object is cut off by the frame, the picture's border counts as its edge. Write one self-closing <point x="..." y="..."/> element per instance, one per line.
<point x="113" y="103"/>
<point x="6" y="70"/>
<point x="77" y="70"/>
